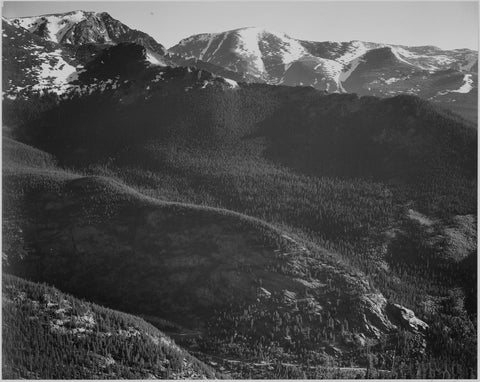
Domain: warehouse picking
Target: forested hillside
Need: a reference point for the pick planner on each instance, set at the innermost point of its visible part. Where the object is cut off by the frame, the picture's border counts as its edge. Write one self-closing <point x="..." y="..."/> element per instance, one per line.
<point x="273" y="231"/>
<point x="51" y="335"/>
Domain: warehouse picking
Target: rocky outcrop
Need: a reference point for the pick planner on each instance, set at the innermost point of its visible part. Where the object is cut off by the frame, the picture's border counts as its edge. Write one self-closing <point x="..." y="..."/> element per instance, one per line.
<point x="406" y="318"/>
<point x="375" y="319"/>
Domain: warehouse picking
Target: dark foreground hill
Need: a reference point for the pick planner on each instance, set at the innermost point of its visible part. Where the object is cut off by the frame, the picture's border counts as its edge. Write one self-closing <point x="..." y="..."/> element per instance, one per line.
<point x="50" y="335"/>
<point x="218" y="273"/>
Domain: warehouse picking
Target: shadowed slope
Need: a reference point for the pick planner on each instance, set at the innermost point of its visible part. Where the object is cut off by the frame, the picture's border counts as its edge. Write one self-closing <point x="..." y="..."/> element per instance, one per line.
<point x="101" y="240"/>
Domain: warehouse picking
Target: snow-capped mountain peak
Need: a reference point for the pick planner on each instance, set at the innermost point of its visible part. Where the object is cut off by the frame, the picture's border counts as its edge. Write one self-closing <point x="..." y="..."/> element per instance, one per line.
<point x="85" y="27"/>
<point x="264" y="55"/>
<point x="53" y="27"/>
<point x="39" y="49"/>
<point x="256" y="51"/>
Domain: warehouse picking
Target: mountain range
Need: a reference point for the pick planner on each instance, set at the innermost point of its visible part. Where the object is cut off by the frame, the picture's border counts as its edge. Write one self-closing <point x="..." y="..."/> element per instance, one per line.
<point x="446" y="77"/>
<point x="278" y="208"/>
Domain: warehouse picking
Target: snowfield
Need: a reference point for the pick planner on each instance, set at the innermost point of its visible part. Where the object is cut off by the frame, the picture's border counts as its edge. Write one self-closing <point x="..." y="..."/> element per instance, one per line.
<point x="57" y="75"/>
<point x="247" y="48"/>
<point x="467" y="85"/>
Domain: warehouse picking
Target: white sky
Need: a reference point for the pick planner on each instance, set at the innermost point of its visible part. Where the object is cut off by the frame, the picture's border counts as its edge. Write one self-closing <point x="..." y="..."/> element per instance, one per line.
<point x="446" y="24"/>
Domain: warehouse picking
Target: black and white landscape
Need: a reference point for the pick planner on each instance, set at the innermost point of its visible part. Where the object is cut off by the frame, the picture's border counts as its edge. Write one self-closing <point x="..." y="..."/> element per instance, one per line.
<point x="244" y="204"/>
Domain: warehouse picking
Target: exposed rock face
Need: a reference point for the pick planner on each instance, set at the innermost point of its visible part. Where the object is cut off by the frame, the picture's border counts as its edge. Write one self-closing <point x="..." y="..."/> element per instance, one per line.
<point x="406" y="318"/>
<point x="376" y="320"/>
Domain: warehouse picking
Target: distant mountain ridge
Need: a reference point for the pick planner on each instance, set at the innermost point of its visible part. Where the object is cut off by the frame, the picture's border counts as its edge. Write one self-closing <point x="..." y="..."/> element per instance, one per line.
<point x="447" y="77"/>
<point x="269" y="55"/>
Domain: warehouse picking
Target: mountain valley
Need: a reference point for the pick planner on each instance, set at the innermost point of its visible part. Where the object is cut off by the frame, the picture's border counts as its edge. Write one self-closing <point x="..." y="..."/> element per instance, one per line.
<point x="279" y="208"/>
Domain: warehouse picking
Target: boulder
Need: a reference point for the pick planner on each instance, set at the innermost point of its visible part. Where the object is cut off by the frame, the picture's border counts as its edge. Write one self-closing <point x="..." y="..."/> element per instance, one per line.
<point x="406" y="318"/>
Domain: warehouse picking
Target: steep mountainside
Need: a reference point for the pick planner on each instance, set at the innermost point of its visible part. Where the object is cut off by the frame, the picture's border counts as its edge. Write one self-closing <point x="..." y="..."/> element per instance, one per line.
<point x="30" y="62"/>
<point x="80" y="28"/>
<point x="50" y="335"/>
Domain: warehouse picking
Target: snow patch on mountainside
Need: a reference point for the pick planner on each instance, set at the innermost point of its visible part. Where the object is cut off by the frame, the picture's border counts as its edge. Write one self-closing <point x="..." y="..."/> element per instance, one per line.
<point x="353" y="65"/>
<point x="194" y="38"/>
<point x="329" y="67"/>
<point x="54" y="70"/>
<point x="401" y="55"/>
<point x="202" y="53"/>
<point x="467" y="85"/>
<point x="331" y="70"/>
<point x="290" y="49"/>
<point x="248" y="49"/>
<point x="56" y="25"/>
<point x="154" y="59"/>
<point x="321" y="73"/>
<point x="5" y="20"/>
<point x="225" y="35"/>
<point x="392" y="80"/>
<point x="465" y="88"/>
<point x="356" y="50"/>
<point x="232" y="84"/>
<point x="426" y="59"/>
